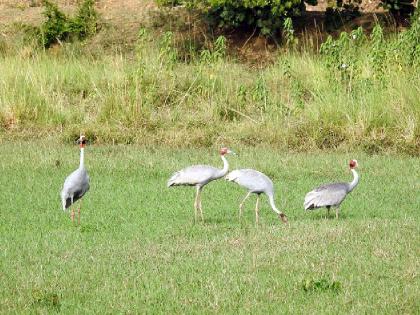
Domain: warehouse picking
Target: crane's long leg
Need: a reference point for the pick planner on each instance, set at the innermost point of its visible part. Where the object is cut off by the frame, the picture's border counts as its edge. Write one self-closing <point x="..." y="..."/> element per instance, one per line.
<point x="197" y="195"/>
<point x="337" y="210"/>
<point x="199" y="205"/>
<point x="72" y="210"/>
<point x="328" y="211"/>
<point x="241" y="205"/>
<point x="80" y="205"/>
<point x="256" y="209"/>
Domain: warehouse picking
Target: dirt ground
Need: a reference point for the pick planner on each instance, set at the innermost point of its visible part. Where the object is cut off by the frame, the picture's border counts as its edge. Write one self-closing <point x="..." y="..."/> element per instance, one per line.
<point x="126" y="16"/>
<point x="119" y="11"/>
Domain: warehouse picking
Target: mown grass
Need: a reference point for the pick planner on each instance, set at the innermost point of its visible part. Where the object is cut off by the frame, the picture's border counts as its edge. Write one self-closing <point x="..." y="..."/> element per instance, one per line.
<point x="138" y="250"/>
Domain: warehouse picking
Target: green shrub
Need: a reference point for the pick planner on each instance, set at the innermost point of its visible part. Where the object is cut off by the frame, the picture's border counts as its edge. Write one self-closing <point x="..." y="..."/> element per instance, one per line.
<point x="398" y="7"/>
<point x="264" y="15"/>
<point x="217" y="53"/>
<point x="168" y="2"/>
<point x="85" y="22"/>
<point x="58" y="27"/>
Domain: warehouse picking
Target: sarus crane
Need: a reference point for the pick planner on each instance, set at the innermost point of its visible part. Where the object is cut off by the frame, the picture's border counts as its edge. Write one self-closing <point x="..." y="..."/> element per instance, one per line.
<point x="76" y="184"/>
<point x="257" y="183"/>
<point x="199" y="176"/>
<point x="331" y="195"/>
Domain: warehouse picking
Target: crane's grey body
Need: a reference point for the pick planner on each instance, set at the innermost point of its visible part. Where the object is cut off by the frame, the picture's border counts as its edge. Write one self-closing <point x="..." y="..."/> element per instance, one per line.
<point x="256" y="183"/>
<point x="199" y="176"/>
<point x="330" y="195"/>
<point x="75" y="186"/>
<point x="196" y="175"/>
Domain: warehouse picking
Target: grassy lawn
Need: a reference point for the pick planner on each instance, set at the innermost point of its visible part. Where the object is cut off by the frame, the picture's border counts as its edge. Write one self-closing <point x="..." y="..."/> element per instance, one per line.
<point x="137" y="249"/>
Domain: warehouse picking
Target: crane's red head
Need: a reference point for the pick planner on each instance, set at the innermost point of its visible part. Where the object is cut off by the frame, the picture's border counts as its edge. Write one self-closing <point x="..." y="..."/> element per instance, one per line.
<point x="82" y="141"/>
<point x="353" y="164"/>
<point x="224" y="151"/>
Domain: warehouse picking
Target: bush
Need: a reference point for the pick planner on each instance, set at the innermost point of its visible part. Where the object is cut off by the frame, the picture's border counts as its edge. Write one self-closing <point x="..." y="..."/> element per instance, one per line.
<point x="85" y="22"/>
<point x="58" y="27"/>
<point x="264" y="15"/>
<point x="399" y="8"/>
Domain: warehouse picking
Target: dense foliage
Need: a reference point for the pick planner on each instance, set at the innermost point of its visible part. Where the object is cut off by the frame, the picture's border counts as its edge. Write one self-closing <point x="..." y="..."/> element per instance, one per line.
<point x="264" y="15"/>
<point x="267" y="16"/>
<point x="58" y="27"/>
<point x="398" y="7"/>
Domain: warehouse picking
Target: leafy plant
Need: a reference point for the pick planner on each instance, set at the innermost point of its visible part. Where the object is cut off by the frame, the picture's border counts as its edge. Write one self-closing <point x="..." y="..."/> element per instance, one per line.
<point x="260" y="92"/>
<point x="218" y="52"/>
<point x="169" y="3"/>
<point x="167" y="52"/>
<point x="289" y="33"/>
<point x="264" y="15"/>
<point x="409" y="42"/>
<point x="398" y="7"/>
<point x="86" y="21"/>
<point x="378" y="52"/>
<point x="341" y="55"/>
<point x="58" y="27"/>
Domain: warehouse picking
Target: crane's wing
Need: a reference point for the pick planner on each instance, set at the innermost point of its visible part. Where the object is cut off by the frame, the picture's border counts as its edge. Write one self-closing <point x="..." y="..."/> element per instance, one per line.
<point x="193" y="175"/>
<point x="75" y="186"/>
<point x="253" y="180"/>
<point x="327" y="195"/>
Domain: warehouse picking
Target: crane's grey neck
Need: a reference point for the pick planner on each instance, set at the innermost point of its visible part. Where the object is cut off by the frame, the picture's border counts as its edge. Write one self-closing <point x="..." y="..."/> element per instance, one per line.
<point x="225" y="169"/>
<point x="82" y="158"/>
<point x="355" y="180"/>
<point x="272" y="204"/>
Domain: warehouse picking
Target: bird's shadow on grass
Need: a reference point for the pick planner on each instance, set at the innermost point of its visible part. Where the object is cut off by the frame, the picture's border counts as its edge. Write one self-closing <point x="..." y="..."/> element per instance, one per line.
<point x="324" y="216"/>
<point x="89" y="227"/>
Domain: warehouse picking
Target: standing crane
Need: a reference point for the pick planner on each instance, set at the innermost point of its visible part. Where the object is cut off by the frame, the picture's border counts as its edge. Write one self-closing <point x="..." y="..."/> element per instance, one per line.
<point x="76" y="184"/>
<point x="257" y="183"/>
<point x="199" y="176"/>
<point x="331" y="195"/>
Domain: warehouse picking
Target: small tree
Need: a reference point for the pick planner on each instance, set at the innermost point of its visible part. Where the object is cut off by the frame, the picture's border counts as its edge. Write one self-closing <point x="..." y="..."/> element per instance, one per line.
<point x="58" y="27"/>
<point x="398" y="8"/>
<point x="266" y="16"/>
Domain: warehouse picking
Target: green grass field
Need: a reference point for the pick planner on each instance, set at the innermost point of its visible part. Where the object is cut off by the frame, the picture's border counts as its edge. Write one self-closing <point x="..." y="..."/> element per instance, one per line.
<point x="137" y="249"/>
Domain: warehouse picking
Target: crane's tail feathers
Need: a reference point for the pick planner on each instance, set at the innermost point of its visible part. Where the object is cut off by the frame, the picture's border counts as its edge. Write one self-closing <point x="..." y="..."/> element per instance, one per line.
<point x="63" y="201"/>
<point x="309" y="206"/>
<point x="309" y="200"/>
<point x="172" y="180"/>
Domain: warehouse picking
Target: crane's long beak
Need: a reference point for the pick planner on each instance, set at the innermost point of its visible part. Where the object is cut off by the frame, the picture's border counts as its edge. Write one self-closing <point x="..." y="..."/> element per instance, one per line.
<point x="231" y="152"/>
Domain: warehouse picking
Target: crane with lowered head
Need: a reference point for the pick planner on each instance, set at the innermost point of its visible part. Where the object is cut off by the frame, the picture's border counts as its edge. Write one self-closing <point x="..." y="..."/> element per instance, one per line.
<point x="257" y="183"/>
